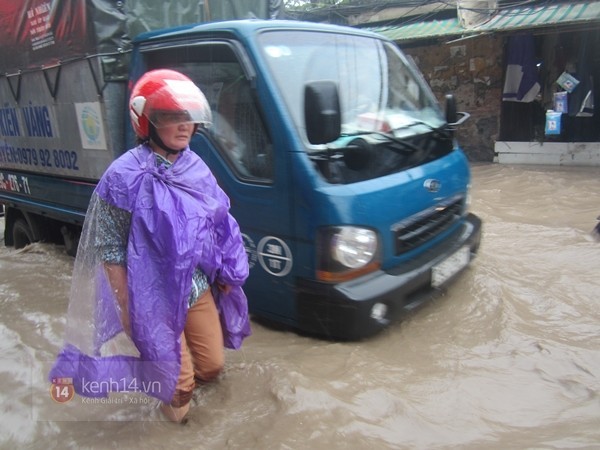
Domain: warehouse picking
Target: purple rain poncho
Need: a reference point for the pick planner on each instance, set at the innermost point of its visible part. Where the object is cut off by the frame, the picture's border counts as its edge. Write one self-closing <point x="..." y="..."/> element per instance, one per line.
<point x="179" y="221"/>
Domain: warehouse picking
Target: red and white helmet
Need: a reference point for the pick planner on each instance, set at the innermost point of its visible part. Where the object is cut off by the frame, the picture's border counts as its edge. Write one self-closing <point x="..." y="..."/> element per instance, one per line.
<point x="164" y="97"/>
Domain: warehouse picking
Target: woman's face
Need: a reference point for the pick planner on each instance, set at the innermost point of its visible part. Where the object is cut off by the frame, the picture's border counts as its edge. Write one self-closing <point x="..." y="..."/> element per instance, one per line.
<point x="176" y="136"/>
<point x="174" y="130"/>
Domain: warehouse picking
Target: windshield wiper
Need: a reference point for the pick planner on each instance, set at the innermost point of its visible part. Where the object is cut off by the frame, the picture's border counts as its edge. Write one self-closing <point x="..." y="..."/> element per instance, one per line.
<point x="441" y="132"/>
<point x="405" y="144"/>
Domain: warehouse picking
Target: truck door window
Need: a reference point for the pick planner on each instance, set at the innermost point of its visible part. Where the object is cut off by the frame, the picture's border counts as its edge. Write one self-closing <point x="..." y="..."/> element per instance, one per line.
<point x="238" y="129"/>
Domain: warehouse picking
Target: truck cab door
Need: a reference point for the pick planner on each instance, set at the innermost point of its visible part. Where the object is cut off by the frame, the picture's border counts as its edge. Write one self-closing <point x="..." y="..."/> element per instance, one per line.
<point x="239" y="150"/>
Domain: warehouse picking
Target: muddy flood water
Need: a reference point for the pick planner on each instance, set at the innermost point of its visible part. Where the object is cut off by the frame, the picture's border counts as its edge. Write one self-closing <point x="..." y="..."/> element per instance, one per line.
<point x="507" y="358"/>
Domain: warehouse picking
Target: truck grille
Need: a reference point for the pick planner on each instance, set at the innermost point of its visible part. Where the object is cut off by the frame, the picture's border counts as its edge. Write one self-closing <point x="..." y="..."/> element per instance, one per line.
<point x="420" y="228"/>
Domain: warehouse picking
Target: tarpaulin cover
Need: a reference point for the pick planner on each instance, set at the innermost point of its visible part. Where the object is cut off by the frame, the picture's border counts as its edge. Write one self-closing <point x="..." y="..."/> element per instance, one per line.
<point x="35" y="33"/>
<point x="179" y="221"/>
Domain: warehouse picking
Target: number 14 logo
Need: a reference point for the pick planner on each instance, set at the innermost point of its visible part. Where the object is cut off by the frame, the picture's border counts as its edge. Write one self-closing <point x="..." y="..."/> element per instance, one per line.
<point x="62" y="390"/>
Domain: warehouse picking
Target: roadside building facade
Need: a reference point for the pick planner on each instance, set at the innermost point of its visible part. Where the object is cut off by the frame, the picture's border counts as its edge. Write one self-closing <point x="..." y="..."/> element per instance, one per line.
<point x="506" y="64"/>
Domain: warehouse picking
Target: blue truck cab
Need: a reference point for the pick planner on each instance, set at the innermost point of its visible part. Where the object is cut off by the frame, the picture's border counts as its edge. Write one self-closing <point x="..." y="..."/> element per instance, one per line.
<point x="343" y="172"/>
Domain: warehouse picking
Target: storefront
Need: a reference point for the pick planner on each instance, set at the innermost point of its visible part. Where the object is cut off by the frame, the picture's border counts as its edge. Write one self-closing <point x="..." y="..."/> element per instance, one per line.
<point x="529" y="76"/>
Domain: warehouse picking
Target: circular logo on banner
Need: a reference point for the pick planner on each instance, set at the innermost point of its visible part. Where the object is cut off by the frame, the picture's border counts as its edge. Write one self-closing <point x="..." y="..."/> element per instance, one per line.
<point x="62" y="390"/>
<point x="91" y="123"/>
<point x="274" y="256"/>
<point x="250" y="250"/>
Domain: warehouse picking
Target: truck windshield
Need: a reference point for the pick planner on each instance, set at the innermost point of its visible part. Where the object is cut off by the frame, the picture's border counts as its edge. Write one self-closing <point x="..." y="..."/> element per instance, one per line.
<point x="379" y="90"/>
<point x="390" y="119"/>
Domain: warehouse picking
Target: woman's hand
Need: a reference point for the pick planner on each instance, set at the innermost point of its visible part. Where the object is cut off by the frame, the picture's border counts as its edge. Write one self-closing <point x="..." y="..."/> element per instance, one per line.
<point x="117" y="278"/>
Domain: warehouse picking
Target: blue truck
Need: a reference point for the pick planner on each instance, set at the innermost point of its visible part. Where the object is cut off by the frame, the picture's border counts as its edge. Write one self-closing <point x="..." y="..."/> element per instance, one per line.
<point x="343" y="171"/>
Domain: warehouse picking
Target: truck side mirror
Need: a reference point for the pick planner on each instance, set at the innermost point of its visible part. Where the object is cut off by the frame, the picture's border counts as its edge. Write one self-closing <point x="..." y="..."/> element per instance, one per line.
<point x="452" y="114"/>
<point x="322" y="112"/>
<point x="450" y="109"/>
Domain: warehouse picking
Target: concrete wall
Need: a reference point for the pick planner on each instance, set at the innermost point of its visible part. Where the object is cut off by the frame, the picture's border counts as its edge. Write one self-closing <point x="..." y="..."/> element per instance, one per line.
<point x="471" y="69"/>
<point x="549" y="153"/>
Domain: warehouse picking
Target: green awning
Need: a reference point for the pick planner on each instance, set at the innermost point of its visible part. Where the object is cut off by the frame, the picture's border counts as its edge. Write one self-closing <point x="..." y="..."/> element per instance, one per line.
<point x="513" y="19"/>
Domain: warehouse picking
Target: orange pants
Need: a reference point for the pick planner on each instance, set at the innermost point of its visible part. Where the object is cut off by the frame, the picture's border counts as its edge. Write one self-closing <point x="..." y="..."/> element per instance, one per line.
<point x="202" y="355"/>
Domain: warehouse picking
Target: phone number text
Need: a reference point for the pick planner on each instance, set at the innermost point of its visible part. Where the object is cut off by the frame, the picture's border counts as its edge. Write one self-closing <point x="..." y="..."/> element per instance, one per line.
<point x="43" y="157"/>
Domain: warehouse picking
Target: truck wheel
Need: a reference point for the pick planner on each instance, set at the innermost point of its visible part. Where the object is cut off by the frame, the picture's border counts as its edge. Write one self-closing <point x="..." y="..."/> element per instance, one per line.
<point x="71" y="239"/>
<point x="22" y="235"/>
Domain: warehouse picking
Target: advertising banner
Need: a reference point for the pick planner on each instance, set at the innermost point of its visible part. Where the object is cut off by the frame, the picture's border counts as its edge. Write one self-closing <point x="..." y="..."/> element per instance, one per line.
<point x="35" y="33"/>
<point x="40" y="32"/>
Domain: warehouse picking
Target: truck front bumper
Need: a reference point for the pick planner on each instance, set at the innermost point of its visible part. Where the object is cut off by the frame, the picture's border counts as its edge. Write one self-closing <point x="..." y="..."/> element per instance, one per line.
<point x="360" y="308"/>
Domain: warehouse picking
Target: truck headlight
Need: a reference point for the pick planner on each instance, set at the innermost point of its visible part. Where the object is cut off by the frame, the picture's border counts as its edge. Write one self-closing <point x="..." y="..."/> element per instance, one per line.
<point x="346" y="252"/>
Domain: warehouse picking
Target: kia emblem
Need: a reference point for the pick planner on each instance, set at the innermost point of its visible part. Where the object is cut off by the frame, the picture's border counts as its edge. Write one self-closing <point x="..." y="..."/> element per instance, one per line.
<point x="432" y="185"/>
